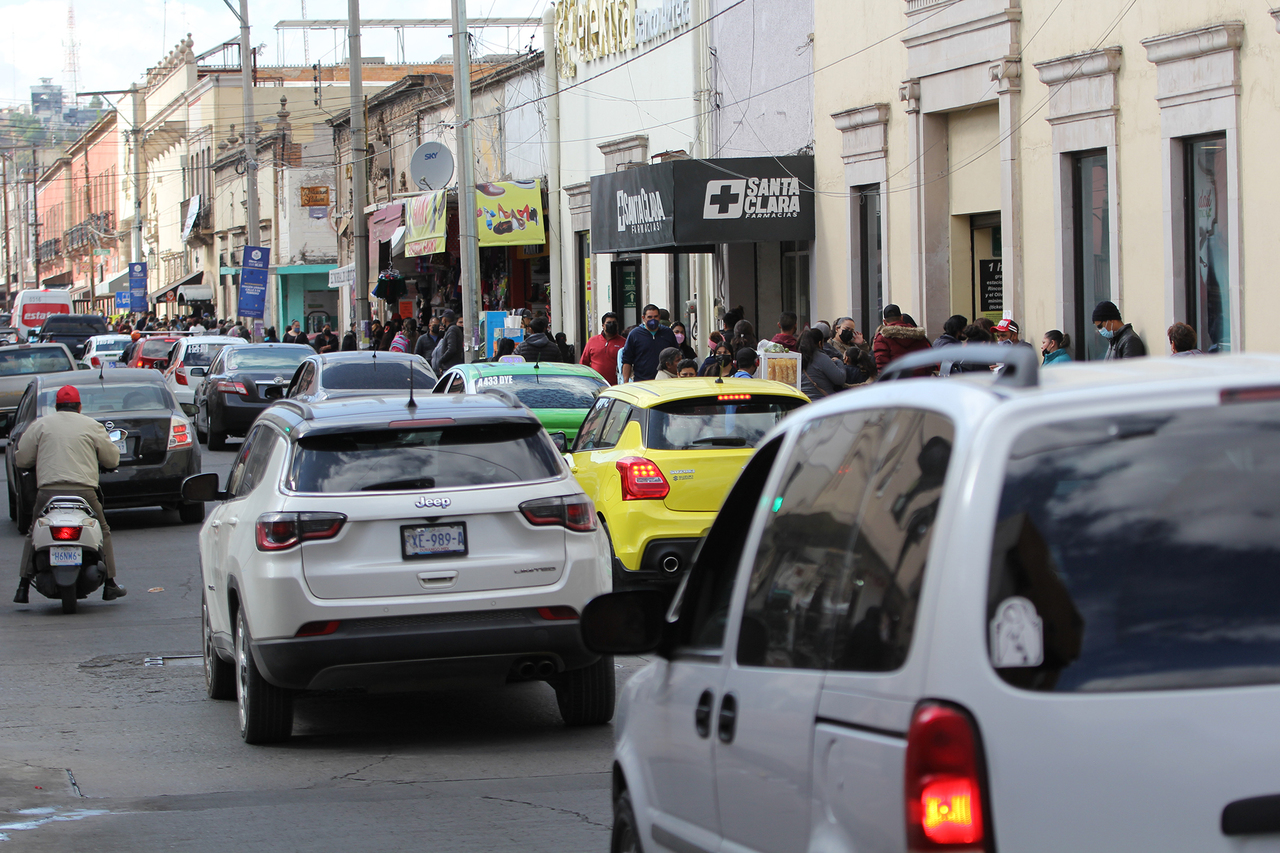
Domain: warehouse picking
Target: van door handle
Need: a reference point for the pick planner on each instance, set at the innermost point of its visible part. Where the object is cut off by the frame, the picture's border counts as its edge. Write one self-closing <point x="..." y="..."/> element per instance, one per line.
<point x="1253" y="816"/>
<point x="728" y="722"/>
<point x="702" y="716"/>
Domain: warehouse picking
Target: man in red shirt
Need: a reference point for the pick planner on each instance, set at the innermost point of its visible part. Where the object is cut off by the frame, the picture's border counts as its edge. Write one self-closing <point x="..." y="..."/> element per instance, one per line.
<point x="787" y="331"/>
<point x="601" y="352"/>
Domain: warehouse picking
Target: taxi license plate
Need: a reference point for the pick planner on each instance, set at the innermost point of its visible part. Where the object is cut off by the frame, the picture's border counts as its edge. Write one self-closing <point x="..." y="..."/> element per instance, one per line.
<point x="432" y="540"/>
<point x="64" y="555"/>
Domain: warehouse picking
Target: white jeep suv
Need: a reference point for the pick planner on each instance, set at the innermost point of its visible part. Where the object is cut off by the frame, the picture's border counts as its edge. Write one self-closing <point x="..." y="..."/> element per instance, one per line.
<point x="1035" y="612"/>
<point x="381" y="543"/>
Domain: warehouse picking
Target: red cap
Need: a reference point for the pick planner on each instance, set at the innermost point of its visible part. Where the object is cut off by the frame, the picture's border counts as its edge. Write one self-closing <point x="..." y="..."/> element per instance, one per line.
<point x="68" y="394"/>
<point x="1007" y="325"/>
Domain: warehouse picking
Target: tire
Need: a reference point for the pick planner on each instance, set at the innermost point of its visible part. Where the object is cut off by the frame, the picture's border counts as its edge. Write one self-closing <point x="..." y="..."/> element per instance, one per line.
<point x="626" y="835"/>
<point x="201" y="436"/>
<point x="219" y="675"/>
<point x="13" y="505"/>
<point x="192" y="513"/>
<point x="586" y="696"/>
<point x="265" y="711"/>
<point x="68" y="594"/>
<point x="217" y="439"/>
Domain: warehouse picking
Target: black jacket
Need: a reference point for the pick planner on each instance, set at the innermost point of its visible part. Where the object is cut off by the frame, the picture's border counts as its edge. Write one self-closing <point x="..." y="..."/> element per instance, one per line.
<point x="538" y="347"/>
<point x="1125" y="344"/>
<point x="452" y="353"/>
<point x="350" y="342"/>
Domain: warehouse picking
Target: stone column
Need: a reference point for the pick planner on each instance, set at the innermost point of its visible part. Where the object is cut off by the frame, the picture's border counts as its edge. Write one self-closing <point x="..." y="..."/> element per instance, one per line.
<point x="1007" y="75"/>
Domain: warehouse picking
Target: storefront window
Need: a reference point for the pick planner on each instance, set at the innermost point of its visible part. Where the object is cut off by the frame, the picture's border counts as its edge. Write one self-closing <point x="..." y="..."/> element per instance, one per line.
<point x="870" y="260"/>
<point x="795" y="280"/>
<point x="680" y="287"/>
<point x="1092" y="213"/>
<point x="1207" y="216"/>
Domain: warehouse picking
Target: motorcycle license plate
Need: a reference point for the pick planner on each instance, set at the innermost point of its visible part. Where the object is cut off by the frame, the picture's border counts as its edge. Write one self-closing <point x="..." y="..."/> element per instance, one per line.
<point x="64" y="555"/>
<point x="431" y="540"/>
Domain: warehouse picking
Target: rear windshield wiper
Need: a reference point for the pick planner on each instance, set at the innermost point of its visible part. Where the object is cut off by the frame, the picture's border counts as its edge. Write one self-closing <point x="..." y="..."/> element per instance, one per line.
<point x="415" y="483"/>
<point x="721" y="441"/>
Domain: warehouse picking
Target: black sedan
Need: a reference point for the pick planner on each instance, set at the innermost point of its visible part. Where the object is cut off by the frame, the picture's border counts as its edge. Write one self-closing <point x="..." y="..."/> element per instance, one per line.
<point x="351" y="374"/>
<point x="241" y="382"/>
<point x="157" y="453"/>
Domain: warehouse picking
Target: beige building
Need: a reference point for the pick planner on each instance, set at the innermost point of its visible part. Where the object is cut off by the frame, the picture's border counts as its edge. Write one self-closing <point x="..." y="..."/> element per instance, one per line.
<point x="1029" y="159"/>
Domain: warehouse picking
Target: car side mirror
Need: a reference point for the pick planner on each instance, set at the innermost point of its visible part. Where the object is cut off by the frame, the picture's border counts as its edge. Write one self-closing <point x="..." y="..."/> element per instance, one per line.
<point x="198" y="371"/>
<point x="80" y="365"/>
<point x="560" y="440"/>
<point x="625" y="623"/>
<point x="202" y="488"/>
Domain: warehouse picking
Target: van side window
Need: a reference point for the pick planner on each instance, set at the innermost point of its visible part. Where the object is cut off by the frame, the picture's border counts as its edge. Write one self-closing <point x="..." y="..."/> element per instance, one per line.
<point x="705" y="608"/>
<point x="838" y="572"/>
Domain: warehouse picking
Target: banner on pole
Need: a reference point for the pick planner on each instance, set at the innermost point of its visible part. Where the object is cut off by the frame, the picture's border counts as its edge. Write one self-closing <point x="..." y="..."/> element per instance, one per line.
<point x="252" y="300"/>
<point x="138" y="287"/>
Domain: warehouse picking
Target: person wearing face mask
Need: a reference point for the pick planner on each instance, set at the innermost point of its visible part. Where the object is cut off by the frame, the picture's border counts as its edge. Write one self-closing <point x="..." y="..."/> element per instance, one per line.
<point x="645" y="343"/>
<point x="1122" y="340"/>
<point x="1054" y="347"/>
<point x="855" y="353"/>
<point x="601" y="351"/>
<point x="682" y="341"/>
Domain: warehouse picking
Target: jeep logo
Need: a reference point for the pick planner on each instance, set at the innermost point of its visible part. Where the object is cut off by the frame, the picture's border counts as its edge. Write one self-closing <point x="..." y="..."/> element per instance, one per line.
<point x="441" y="503"/>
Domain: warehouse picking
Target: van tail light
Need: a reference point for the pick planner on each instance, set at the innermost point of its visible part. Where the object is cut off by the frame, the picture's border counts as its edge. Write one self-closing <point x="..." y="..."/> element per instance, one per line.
<point x="179" y="375"/>
<point x="944" y="781"/>
<point x="66" y="534"/>
<point x="228" y="386"/>
<point x="279" y="531"/>
<point x="642" y="480"/>
<point x="179" y="433"/>
<point x="575" y="513"/>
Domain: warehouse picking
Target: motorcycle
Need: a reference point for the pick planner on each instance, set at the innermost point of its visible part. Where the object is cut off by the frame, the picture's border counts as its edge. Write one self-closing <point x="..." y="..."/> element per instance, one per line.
<point x="66" y="543"/>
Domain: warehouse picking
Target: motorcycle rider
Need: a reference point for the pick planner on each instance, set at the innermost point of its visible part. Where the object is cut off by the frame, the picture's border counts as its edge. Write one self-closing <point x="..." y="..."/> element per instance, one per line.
<point x="66" y="448"/>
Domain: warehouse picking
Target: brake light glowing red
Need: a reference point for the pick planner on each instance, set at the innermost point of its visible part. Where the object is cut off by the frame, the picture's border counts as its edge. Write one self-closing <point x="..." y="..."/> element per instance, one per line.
<point x="943" y="781"/>
<point x="724" y="397"/>
<point x="642" y="480"/>
<point x="66" y="534"/>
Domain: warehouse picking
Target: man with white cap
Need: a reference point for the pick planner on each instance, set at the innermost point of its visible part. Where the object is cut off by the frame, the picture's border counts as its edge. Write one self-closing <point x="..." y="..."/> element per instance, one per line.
<point x="67" y="449"/>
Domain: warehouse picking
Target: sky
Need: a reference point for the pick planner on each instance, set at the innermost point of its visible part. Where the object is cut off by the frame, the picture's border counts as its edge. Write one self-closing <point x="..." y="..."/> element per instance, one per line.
<point x="118" y="41"/>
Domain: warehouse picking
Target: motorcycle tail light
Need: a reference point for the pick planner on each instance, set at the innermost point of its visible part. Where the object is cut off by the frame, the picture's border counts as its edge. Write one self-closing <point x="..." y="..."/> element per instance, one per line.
<point x="179" y="433"/>
<point x="66" y="534"/>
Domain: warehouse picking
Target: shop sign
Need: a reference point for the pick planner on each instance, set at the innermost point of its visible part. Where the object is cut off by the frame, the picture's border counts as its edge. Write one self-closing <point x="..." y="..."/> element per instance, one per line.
<point x="654" y="23"/>
<point x="315" y="196"/>
<point x="633" y="209"/>
<point x="509" y="213"/>
<point x="591" y="29"/>
<point x="991" y="288"/>
<point x="427" y="221"/>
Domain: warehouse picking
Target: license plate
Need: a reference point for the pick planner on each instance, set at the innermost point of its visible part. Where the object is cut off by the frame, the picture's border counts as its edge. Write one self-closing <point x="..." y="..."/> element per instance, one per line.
<point x="121" y="446"/>
<point x="432" y="540"/>
<point x="64" y="555"/>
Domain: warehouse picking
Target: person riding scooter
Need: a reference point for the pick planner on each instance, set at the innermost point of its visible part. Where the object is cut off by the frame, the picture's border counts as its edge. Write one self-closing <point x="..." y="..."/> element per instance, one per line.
<point x="66" y="448"/>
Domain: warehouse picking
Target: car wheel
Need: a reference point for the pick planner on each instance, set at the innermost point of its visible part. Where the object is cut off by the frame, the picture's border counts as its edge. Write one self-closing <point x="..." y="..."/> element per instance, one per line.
<point x="219" y="675"/>
<point x="217" y="438"/>
<point x="266" y="711"/>
<point x="586" y="696"/>
<point x="191" y="513"/>
<point x="201" y="435"/>
<point x="626" y="836"/>
<point x="13" y="505"/>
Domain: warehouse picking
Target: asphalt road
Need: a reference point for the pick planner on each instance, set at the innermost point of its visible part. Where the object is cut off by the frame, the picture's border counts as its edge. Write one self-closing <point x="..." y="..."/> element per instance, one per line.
<point x="107" y="742"/>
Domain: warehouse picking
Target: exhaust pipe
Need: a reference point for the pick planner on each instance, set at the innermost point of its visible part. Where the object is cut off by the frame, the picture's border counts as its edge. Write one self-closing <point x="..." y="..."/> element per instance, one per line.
<point x="671" y="564"/>
<point x="526" y="669"/>
<point x="546" y="669"/>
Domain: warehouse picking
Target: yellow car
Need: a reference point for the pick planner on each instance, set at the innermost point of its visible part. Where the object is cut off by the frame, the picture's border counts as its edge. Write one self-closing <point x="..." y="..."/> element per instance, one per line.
<point x="658" y="459"/>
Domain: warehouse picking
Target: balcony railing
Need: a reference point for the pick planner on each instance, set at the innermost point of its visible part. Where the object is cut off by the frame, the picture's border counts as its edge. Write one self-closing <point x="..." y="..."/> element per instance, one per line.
<point x="90" y="232"/>
<point x="49" y="249"/>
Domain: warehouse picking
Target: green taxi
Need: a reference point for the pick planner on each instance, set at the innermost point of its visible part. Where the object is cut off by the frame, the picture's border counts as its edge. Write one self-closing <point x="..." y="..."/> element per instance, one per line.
<point x="560" y="395"/>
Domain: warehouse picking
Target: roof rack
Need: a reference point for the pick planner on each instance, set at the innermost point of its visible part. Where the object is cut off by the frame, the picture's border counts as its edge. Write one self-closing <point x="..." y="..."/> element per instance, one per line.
<point x="1021" y="367"/>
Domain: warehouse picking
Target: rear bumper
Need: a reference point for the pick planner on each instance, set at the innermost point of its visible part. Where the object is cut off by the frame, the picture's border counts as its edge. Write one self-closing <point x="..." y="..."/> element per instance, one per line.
<point x="237" y="414"/>
<point x="636" y="526"/>
<point x="414" y="652"/>
<point x="150" y="485"/>
<point x="664" y="562"/>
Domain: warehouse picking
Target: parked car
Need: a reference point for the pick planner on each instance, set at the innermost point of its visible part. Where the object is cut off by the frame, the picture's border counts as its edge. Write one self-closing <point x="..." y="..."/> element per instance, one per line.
<point x="189" y="360"/>
<point x="388" y="546"/>
<point x="239" y="384"/>
<point x="18" y="365"/>
<point x="73" y="330"/>
<point x="658" y="457"/>
<point x="559" y="394"/>
<point x="932" y="607"/>
<point x="104" y="351"/>
<point x="157" y="453"/>
<point x="347" y="374"/>
<point x="152" y="349"/>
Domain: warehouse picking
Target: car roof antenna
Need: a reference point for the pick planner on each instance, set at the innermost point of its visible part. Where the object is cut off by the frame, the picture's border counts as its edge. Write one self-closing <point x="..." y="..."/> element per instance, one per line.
<point x="411" y="404"/>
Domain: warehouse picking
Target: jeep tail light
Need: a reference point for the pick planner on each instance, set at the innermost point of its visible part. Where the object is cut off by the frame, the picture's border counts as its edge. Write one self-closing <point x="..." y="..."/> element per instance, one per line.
<point x="66" y="534"/>
<point x="642" y="480"/>
<point x="575" y="513"/>
<point x="179" y="433"/>
<point x="279" y="531"/>
<point x="944" y="786"/>
<point x="228" y="386"/>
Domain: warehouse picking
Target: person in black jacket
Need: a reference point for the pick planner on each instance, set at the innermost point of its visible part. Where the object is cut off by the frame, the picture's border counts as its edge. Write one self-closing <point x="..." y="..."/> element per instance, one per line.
<point x="1122" y="340"/>
<point x="452" y="353"/>
<point x="538" y="347"/>
<point x="351" y="340"/>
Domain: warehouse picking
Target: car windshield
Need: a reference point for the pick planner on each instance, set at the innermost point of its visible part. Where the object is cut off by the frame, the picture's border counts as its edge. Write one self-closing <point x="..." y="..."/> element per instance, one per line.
<point x="706" y="422"/>
<point x="375" y="375"/>
<point x="202" y="354"/>
<point x="1140" y="553"/>
<point x="109" y="346"/>
<point x="19" y="362"/>
<point x="547" y="391"/>
<point x="413" y="459"/>
<point x="113" y="397"/>
<point x="265" y="358"/>
<point x="156" y="348"/>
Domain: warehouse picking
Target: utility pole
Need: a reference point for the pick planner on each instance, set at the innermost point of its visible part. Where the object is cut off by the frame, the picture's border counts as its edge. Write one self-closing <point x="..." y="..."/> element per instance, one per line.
<point x="35" y="212"/>
<point x="253" y="222"/>
<point x="136" y="255"/>
<point x="470" y="246"/>
<point x="4" y="180"/>
<point x="359" y="165"/>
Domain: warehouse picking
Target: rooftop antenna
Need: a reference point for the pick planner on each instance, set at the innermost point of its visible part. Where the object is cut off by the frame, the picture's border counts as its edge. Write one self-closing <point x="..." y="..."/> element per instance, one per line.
<point x="411" y="404"/>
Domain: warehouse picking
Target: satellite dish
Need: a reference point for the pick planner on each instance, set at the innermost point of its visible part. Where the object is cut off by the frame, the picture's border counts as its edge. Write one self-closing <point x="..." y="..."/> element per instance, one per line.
<point x="431" y="167"/>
